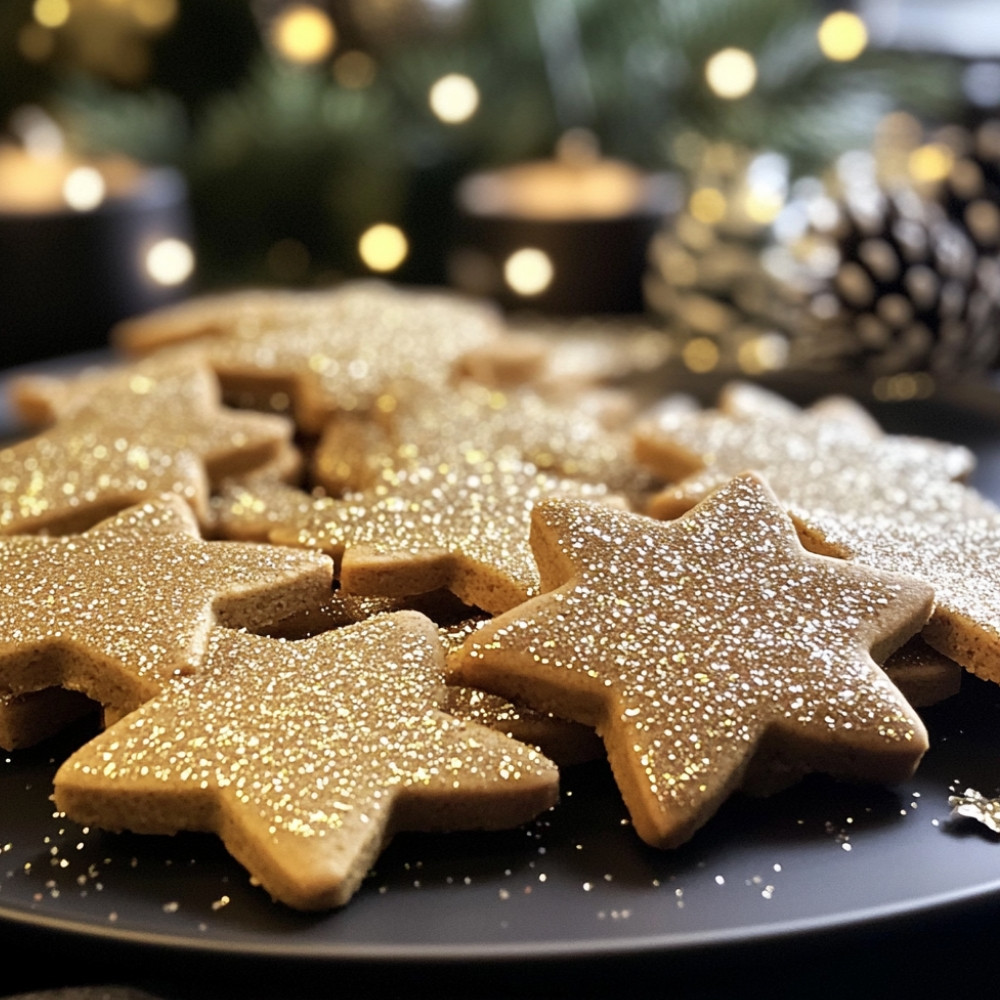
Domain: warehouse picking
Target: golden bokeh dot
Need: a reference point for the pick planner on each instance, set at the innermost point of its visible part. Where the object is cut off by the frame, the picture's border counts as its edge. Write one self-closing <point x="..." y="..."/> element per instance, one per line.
<point x="528" y="271"/>
<point x="731" y="73"/>
<point x="383" y="247"/>
<point x="303" y="34"/>
<point x="842" y="36"/>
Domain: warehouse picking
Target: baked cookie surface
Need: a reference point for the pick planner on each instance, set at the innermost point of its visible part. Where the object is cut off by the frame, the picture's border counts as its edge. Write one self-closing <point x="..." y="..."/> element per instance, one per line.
<point x="118" y="610"/>
<point x="704" y="646"/>
<point x="306" y="757"/>
<point x="894" y="502"/>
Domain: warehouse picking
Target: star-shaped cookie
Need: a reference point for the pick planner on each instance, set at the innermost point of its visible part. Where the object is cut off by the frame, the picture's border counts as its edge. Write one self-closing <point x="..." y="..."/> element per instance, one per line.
<point x="307" y="757"/>
<point x="148" y="431"/>
<point x="568" y="438"/>
<point x="459" y="524"/>
<point x="705" y="651"/>
<point x="340" y="350"/>
<point x="118" y="610"/>
<point x="890" y="501"/>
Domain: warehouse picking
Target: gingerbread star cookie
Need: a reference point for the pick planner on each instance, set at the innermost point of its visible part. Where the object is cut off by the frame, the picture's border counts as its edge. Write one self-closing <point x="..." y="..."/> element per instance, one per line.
<point x="889" y="501"/>
<point x="334" y="352"/>
<point x="808" y="449"/>
<point x="307" y="757"/>
<point x="148" y="431"/>
<point x="569" y="439"/>
<point x="118" y="610"/>
<point x="460" y="523"/>
<point x="705" y="651"/>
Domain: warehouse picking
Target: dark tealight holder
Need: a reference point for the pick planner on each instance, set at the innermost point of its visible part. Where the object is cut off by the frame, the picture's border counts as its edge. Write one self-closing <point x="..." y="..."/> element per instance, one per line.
<point x="526" y="240"/>
<point x="68" y="275"/>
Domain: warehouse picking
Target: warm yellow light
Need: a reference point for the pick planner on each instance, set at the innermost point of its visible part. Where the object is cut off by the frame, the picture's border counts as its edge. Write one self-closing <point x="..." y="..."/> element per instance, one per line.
<point x="51" y="13"/>
<point x="842" y="36"/>
<point x="528" y="271"/>
<point x="700" y="354"/>
<point x="731" y="73"/>
<point x="170" y="261"/>
<point x="707" y="205"/>
<point x="454" y="98"/>
<point x="84" y="188"/>
<point x="383" y="247"/>
<point x="930" y="163"/>
<point x="763" y="207"/>
<point x="354" y="70"/>
<point x="155" y="14"/>
<point x="763" y="353"/>
<point x="303" y="34"/>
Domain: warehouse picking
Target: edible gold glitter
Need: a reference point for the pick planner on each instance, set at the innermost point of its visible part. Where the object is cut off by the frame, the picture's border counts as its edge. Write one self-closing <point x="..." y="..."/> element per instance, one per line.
<point x="338" y="351"/>
<point x="115" y="611"/>
<point x="887" y="501"/>
<point x="691" y="645"/>
<point x="133" y="440"/>
<point x="568" y="438"/>
<point x="974" y="805"/>
<point x="306" y="757"/>
<point x="462" y="525"/>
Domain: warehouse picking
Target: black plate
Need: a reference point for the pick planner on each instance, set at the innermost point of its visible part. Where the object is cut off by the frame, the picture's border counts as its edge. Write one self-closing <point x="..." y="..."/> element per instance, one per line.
<point x="576" y="884"/>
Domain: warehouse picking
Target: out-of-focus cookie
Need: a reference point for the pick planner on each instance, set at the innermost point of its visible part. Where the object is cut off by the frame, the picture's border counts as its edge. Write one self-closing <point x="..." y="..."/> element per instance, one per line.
<point x="352" y="724"/>
<point x="117" y="611"/>
<point x="143" y="435"/>
<point x="566" y="439"/>
<point x="211" y="314"/>
<point x="340" y="351"/>
<point x="704" y="448"/>
<point x="460" y="524"/>
<point x="706" y="650"/>
<point x="889" y="501"/>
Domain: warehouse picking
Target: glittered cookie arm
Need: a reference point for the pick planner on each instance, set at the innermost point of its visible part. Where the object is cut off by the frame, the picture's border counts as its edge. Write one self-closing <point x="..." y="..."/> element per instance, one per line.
<point x="694" y="645"/>
<point x="368" y="569"/>
<point x="307" y="757"/>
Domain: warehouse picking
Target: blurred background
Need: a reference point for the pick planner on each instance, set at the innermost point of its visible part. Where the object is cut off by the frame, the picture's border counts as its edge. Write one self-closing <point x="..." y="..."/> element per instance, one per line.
<point x="777" y="184"/>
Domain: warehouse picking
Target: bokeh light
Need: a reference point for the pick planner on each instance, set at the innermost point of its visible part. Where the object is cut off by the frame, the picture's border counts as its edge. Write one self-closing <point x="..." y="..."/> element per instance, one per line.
<point x="528" y="271"/>
<point x="383" y="247"/>
<point x="454" y="98"/>
<point x="700" y="355"/>
<point x="731" y="73"/>
<point x="84" y="189"/>
<point x="842" y="36"/>
<point x="303" y="34"/>
<point x="354" y="69"/>
<point x="170" y="261"/>
<point x="930" y="163"/>
<point x="51" y="13"/>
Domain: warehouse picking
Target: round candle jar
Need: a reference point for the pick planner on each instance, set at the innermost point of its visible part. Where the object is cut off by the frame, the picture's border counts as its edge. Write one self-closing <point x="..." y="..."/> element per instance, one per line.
<point x="558" y="237"/>
<point x="69" y="273"/>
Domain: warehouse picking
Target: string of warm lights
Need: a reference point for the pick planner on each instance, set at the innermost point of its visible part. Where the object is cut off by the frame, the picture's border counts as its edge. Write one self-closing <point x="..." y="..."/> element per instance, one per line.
<point x="319" y="41"/>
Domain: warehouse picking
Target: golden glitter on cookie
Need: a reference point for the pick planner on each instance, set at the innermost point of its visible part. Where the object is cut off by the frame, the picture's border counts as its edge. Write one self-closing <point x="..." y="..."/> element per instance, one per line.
<point x="710" y="653"/>
<point x="460" y="523"/>
<point x="568" y="439"/>
<point x="336" y="351"/>
<point x="307" y="757"/>
<point x="890" y="501"/>
<point x="118" y="610"/>
<point x="146" y="432"/>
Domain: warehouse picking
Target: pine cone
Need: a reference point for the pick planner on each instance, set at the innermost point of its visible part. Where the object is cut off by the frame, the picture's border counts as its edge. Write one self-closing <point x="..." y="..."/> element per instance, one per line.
<point x="898" y="287"/>
<point x="970" y="192"/>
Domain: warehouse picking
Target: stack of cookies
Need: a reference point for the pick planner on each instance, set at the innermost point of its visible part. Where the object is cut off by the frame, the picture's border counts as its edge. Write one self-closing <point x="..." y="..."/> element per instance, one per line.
<point x="326" y="566"/>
